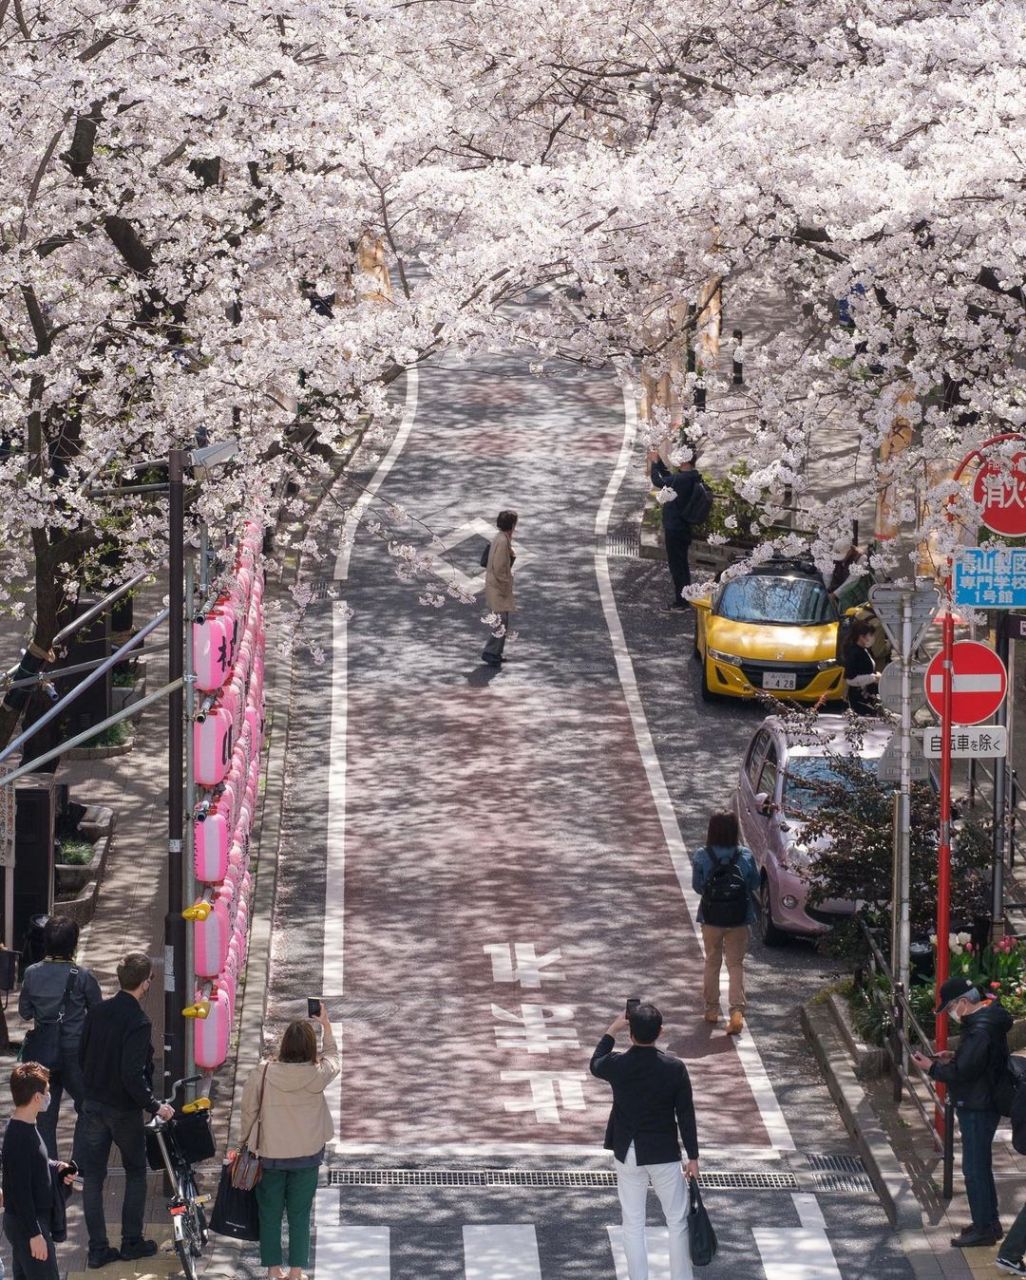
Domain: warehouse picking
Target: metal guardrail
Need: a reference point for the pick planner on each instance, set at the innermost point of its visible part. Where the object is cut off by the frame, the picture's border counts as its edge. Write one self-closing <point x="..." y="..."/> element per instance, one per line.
<point x="898" y="1042"/>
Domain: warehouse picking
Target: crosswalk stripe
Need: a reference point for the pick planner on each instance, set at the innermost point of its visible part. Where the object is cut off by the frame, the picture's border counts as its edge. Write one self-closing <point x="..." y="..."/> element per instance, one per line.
<point x="798" y="1253"/>
<point x="658" y="1240"/>
<point x="357" y="1253"/>
<point x="504" y="1252"/>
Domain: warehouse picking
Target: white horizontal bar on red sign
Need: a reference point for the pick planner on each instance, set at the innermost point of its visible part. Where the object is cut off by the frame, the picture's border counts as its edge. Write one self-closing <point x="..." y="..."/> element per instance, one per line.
<point x="992" y="683"/>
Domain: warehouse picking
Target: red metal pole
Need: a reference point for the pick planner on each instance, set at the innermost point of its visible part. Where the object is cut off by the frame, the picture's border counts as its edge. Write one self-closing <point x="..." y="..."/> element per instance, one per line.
<point x="944" y="842"/>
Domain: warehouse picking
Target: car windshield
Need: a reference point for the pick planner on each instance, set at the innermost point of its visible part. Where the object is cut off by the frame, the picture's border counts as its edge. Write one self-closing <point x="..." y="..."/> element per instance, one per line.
<point x="778" y="601"/>
<point x="806" y="778"/>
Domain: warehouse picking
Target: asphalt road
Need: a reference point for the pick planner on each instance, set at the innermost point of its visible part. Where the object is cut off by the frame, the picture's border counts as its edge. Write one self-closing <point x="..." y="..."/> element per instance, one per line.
<point x="478" y="867"/>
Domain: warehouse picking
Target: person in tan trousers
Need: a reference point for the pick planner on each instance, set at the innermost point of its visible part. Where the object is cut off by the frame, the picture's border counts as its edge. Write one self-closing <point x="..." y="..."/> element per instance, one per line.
<point x="499" y="586"/>
<point x="725" y="874"/>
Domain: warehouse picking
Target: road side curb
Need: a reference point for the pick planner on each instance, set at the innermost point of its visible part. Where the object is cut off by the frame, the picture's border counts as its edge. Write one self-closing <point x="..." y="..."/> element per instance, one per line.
<point x="889" y="1179"/>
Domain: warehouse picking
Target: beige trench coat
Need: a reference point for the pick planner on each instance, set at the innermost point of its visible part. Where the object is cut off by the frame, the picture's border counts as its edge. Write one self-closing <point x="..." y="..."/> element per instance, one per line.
<point x="499" y="575"/>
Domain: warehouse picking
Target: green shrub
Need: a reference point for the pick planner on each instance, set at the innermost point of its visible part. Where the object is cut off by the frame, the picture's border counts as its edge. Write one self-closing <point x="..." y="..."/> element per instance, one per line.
<point x="115" y="735"/>
<point x="75" y="851"/>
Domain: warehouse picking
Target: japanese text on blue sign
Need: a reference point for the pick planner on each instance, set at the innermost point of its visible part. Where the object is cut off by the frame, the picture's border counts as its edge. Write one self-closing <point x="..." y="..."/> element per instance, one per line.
<point x="990" y="578"/>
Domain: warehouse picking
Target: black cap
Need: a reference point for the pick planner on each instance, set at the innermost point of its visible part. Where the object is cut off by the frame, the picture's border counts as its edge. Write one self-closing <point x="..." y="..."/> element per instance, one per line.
<point x="956" y="989"/>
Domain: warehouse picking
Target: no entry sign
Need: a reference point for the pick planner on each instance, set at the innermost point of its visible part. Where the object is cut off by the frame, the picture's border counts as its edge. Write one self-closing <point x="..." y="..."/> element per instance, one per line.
<point x="979" y="685"/>
<point x="1001" y="488"/>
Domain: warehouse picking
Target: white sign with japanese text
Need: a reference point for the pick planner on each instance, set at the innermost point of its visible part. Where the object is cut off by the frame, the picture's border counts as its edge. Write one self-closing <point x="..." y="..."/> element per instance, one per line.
<point x="968" y="741"/>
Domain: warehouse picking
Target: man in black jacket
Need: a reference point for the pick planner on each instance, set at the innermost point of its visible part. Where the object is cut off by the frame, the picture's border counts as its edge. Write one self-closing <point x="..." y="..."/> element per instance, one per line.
<point x="676" y="530"/>
<point x="117" y="1067"/>
<point x="652" y="1103"/>
<point x="971" y="1073"/>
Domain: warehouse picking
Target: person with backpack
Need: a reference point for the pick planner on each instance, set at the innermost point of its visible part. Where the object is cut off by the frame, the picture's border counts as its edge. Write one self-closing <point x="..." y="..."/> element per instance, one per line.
<point x="681" y="516"/>
<point x="56" y="994"/>
<point x="973" y="1072"/>
<point x="725" y="874"/>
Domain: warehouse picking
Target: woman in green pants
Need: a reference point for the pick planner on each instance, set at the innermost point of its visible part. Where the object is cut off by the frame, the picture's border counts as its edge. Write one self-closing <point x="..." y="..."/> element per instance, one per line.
<point x="284" y="1111"/>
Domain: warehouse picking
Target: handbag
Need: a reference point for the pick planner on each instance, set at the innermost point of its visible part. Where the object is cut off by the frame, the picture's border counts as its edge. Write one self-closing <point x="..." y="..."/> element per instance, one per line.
<point x="701" y="1236"/>
<point x="235" y="1211"/>
<point x="245" y="1164"/>
<point x="42" y="1042"/>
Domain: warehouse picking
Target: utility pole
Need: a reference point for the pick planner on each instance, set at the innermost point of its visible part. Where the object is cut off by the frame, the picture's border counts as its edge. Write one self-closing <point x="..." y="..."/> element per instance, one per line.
<point x="1003" y="649"/>
<point x="900" y="924"/>
<point x="174" y="924"/>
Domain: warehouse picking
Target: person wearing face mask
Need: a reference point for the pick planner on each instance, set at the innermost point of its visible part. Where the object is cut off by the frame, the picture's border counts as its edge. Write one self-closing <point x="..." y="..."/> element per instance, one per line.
<point x="971" y="1073"/>
<point x="32" y="1182"/>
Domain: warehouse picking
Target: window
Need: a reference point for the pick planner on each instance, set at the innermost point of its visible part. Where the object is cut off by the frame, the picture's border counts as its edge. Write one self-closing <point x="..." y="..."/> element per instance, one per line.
<point x="768" y="779"/>
<point x="755" y="757"/>
<point x="776" y="601"/>
<point x="805" y="778"/>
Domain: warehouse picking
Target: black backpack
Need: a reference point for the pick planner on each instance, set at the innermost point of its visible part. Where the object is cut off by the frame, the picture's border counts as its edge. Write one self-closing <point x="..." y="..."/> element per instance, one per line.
<point x="1009" y="1097"/>
<point x="725" y="896"/>
<point x="699" y="504"/>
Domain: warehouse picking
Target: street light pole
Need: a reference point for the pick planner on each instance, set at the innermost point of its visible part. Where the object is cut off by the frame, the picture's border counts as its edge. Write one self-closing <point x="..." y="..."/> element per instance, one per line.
<point x="174" y="924"/>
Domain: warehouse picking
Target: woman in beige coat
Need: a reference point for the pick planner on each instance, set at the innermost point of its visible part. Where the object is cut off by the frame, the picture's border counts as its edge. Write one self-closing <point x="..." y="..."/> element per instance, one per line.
<point x="289" y="1135"/>
<point x="499" y="585"/>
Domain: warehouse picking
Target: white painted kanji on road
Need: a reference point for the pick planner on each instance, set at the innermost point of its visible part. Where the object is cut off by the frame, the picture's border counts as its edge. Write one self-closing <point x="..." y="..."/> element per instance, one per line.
<point x="536" y="1028"/>
<point x="550" y="1090"/>
<point x="520" y="962"/>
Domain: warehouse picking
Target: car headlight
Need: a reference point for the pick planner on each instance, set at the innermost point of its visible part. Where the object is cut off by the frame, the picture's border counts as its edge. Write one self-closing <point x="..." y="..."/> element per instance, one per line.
<point x="825" y="666"/>
<point x="720" y="656"/>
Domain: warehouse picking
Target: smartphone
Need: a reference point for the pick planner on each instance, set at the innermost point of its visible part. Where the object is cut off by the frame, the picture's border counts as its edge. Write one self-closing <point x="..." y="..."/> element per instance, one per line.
<point x="313" y="1007"/>
<point x="632" y="1004"/>
<point x="70" y="1169"/>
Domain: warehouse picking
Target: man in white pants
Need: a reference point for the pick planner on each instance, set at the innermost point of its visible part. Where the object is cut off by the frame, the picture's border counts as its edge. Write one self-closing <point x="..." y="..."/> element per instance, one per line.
<point x="652" y="1103"/>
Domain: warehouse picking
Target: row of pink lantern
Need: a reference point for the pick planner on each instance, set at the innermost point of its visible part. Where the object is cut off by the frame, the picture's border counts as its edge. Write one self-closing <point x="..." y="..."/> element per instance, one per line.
<point x="228" y="649"/>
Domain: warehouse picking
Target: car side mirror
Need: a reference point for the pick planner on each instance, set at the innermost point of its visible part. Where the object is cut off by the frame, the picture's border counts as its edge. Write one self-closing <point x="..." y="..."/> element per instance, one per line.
<point x="703" y="602"/>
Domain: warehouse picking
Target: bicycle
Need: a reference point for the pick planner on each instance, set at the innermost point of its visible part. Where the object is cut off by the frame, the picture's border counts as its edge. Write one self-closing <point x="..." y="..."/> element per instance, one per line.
<point x="188" y="1216"/>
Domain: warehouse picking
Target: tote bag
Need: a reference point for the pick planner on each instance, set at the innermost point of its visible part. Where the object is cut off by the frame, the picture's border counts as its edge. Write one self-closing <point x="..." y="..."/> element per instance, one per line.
<point x="701" y="1236"/>
<point x="235" y="1211"/>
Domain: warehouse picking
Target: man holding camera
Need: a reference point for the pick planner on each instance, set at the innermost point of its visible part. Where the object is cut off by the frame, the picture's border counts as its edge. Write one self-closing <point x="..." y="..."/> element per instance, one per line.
<point x="652" y="1104"/>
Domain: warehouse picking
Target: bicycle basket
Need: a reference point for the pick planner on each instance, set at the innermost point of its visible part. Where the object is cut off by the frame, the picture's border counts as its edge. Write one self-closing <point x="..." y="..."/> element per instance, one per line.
<point x="187" y="1137"/>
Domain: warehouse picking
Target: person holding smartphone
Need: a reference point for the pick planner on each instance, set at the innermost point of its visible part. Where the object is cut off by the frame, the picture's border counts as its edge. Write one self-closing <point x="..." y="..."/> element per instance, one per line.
<point x="653" y="1115"/>
<point x="287" y="1123"/>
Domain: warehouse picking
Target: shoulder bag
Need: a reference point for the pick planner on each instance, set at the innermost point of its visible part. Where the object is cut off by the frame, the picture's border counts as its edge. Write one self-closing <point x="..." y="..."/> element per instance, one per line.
<point x="245" y="1165"/>
<point x="42" y="1042"/>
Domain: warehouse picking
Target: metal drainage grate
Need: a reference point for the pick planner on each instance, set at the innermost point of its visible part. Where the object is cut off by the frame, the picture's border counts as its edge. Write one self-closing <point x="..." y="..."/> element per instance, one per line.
<point x="747" y="1180"/>
<point x="838" y="1173"/>
<point x="624" y="541"/>
<point x="324" y="588"/>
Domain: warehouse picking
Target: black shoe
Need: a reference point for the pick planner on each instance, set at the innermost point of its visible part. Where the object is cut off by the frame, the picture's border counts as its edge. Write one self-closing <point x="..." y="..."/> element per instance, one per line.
<point x="490" y="661"/>
<point x="97" y="1260"/>
<point x="973" y="1236"/>
<point x="132" y="1249"/>
<point x="998" y="1229"/>
<point x="1012" y="1267"/>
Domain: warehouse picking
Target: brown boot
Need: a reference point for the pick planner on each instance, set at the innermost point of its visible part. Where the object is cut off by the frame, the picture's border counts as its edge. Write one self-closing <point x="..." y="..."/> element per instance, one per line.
<point x="736" y="1023"/>
<point x="712" y="1015"/>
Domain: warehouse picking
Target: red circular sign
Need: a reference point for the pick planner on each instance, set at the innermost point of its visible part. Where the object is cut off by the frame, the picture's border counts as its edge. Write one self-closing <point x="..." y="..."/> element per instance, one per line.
<point x="980" y="683"/>
<point x="1001" y="489"/>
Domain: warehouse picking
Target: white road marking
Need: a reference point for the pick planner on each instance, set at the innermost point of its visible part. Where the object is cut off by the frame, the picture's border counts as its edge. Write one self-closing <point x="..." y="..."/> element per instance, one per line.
<point x="969" y="684"/>
<point x="550" y="1090"/>
<point x="751" y="1061"/>
<point x="335" y="831"/>
<point x="503" y="1252"/>
<point x="520" y="962"/>
<point x="357" y="1253"/>
<point x="359" y="507"/>
<point x="798" y="1253"/>
<point x="658" y="1241"/>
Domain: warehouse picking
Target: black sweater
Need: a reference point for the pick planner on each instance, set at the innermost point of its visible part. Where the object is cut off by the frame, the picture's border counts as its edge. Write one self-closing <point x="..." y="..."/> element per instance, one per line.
<point x="117" y="1056"/>
<point x="27" y="1182"/>
<point x="652" y="1102"/>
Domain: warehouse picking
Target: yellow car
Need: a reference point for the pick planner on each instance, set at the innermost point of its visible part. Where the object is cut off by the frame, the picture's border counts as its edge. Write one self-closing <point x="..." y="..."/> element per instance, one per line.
<point x="774" y="631"/>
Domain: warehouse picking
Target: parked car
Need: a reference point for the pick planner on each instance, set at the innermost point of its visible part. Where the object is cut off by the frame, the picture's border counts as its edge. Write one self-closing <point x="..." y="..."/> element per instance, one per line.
<point x="773" y="799"/>
<point x="772" y="630"/>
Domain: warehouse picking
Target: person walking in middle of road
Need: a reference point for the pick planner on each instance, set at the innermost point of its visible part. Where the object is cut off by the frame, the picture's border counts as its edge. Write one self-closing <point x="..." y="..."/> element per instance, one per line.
<point x="725" y="873"/>
<point x="117" y="1071"/>
<point x="499" y="586"/>
<point x="652" y="1103"/>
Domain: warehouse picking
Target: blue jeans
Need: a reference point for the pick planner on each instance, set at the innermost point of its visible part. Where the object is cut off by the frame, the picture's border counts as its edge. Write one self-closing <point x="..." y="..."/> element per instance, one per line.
<point x="1014" y="1244"/>
<point x="978" y="1129"/>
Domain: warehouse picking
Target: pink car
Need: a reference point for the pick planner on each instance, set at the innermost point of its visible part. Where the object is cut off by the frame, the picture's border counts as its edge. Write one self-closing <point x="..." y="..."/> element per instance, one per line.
<point x="770" y="803"/>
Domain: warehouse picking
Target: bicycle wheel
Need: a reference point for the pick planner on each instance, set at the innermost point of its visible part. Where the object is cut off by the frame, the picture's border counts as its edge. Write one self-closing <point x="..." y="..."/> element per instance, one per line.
<point x="185" y="1257"/>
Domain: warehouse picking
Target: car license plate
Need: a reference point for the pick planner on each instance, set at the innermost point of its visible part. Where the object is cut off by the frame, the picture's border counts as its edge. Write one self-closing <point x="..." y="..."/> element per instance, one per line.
<point x="778" y="680"/>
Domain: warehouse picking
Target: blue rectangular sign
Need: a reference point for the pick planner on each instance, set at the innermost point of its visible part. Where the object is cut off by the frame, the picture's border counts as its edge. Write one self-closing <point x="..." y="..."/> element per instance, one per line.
<point x="990" y="577"/>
